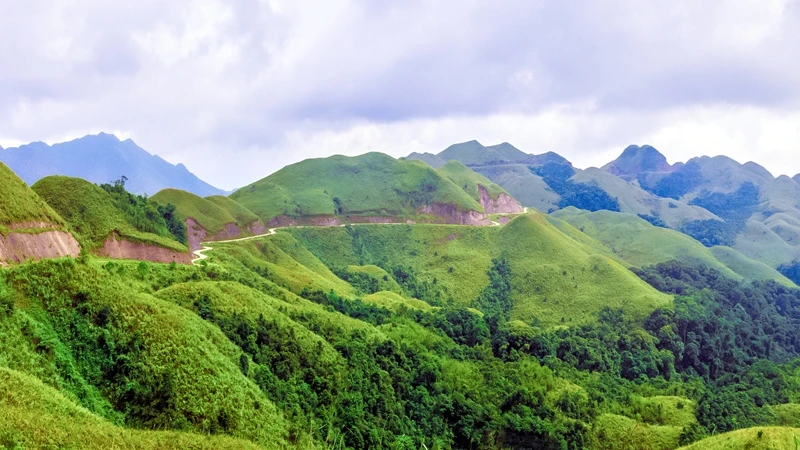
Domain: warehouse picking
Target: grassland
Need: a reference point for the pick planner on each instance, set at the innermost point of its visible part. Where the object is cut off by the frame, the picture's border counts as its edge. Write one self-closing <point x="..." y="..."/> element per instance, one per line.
<point x="35" y="415"/>
<point x="92" y="216"/>
<point x="757" y="438"/>
<point x="20" y="205"/>
<point x="554" y="276"/>
<point x="469" y="180"/>
<point x="372" y="184"/>
<point x="211" y="213"/>
<point x="642" y="244"/>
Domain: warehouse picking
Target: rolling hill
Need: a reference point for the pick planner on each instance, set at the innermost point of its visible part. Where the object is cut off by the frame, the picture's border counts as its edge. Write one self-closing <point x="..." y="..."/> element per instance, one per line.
<point x="111" y="223"/>
<point x="212" y="218"/>
<point x="492" y="198"/>
<point x="101" y="159"/>
<point x="29" y="227"/>
<point x="370" y="187"/>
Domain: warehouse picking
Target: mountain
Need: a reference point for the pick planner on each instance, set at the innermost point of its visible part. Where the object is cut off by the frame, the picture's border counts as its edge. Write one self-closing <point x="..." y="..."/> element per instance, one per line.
<point x="635" y="160"/>
<point x="473" y="153"/>
<point x="102" y="159"/>
<point x="373" y="187"/>
<point x="112" y="222"/>
<point x="29" y="227"/>
<point x="428" y="158"/>
<point x="642" y="244"/>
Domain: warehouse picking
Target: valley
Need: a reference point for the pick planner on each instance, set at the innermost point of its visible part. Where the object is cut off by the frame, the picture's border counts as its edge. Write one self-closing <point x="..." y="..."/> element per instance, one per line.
<point x="373" y="302"/>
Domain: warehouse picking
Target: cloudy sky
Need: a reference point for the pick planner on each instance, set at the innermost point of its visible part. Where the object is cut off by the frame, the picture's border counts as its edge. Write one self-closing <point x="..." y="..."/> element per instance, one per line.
<point x="235" y="89"/>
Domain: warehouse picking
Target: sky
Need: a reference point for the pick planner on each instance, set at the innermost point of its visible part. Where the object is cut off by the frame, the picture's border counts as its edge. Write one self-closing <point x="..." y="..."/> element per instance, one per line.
<point x="236" y="89"/>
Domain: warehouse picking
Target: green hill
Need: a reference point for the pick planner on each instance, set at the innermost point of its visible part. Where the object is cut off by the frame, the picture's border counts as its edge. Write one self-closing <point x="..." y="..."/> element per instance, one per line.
<point x="20" y="205"/>
<point x="554" y="276"/>
<point x="373" y="184"/>
<point x="642" y="244"/>
<point x="35" y="415"/>
<point x="92" y="214"/>
<point x="469" y="180"/>
<point x="757" y="438"/>
<point x="428" y="158"/>
<point x="212" y="213"/>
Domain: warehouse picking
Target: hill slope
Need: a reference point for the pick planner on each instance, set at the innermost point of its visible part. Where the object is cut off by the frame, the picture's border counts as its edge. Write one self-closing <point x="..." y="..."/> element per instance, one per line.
<point x="635" y="160"/>
<point x="29" y="227"/>
<point x="101" y="159"/>
<point x="492" y="198"/>
<point x="642" y="244"/>
<point x="212" y="218"/>
<point x="771" y="438"/>
<point x="342" y="188"/>
<point x="100" y="224"/>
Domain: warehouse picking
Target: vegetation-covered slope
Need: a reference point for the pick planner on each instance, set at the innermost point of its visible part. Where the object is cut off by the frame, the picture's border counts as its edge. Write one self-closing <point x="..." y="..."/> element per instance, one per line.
<point x="469" y="180"/>
<point x="757" y="438"/>
<point x="211" y="213"/>
<point x="554" y="276"/>
<point x="94" y="213"/>
<point x="20" y="205"/>
<point x="642" y="244"/>
<point x="373" y="184"/>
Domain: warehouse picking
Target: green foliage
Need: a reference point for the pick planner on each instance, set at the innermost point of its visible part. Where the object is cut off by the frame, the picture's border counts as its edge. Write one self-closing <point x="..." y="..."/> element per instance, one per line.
<point x="20" y="205"/>
<point x="579" y="195"/>
<point x="495" y="300"/>
<point x="469" y="180"/>
<point x="95" y="212"/>
<point x="676" y="184"/>
<point x="368" y="185"/>
<point x="791" y="271"/>
<point x="212" y="213"/>
<point x="712" y="232"/>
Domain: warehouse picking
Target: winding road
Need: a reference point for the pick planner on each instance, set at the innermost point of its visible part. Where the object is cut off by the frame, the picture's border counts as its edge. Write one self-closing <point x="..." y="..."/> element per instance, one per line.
<point x="200" y="254"/>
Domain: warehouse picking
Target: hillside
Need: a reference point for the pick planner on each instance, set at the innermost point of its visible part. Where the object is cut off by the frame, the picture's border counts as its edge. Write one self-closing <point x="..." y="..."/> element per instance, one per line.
<point x="212" y="218"/>
<point x="758" y="438"/>
<point x="101" y="159"/>
<point x="642" y="244"/>
<point x="111" y="222"/>
<point x="491" y="197"/>
<point x="373" y="186"/>
<point x="555" y="277"/>
<point x="29" y="227"/>
<point x="428" y="158"/>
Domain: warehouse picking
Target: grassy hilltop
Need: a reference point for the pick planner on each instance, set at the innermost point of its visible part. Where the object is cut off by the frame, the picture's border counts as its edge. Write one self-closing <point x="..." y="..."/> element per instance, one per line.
<point x="20" y="205"/>
<point x="212" y="213"/>
<point x="373" y="184"/>
<point x="94" y="213"/>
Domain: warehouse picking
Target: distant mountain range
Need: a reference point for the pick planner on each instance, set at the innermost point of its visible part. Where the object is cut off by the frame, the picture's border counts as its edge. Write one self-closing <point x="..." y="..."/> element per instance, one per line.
<point x="716" y="200"/>
<point x="103" y="158"/>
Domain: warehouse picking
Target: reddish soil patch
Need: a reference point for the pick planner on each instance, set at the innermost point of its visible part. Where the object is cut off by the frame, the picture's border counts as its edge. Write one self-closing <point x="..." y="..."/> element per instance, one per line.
<point x="19" y="247"/>
<point x="503" y="204"/>
<point x="118" y="248"/>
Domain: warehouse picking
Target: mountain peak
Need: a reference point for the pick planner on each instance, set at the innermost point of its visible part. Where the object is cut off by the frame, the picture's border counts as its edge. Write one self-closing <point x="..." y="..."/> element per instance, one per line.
<point x="635" y="160"/>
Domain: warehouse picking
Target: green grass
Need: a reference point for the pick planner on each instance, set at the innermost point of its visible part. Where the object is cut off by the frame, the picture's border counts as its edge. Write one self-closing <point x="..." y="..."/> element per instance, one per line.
<point x="373" y="184"/>
<point x="243" y="216"/>
<point x="613" y="432"/>
<point x="211" y="213"/>
<point x="91" y="214"/>
<point x="394" y="301"/>
<point x="528" y="188"/>
<point x="635" y="200"/>
<point x="642" y="244"/>
<point x="19" y="204"/>
<point x="35" y="415"/>
<point x="553" y="275"/>
<point x="787" y="415"/>
<point x="469" y="180"/>
<point x="771" y="438"/>
<point x="58" y="302"/>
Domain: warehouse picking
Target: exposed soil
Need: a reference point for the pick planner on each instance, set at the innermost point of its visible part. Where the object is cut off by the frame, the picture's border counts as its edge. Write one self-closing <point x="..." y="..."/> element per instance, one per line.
<point x="451" y="215"/>
<point x="197" y="234"/>
<point x="118" y="248"/>
<point x="503" y="204"/>
<point x="19" y="247"/>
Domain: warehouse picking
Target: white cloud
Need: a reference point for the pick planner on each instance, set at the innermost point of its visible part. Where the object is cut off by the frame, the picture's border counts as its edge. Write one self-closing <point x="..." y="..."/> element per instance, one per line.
<point x="236" y="89"/>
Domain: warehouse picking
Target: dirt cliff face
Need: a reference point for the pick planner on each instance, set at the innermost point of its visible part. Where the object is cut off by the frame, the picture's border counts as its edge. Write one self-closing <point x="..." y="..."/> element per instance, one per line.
<point x="195" y="234"/>
<point x="19" y="247"/>
<point x="115" y="247"/>
<point x="503" y="204"/>
<point x="450" y="214"/>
